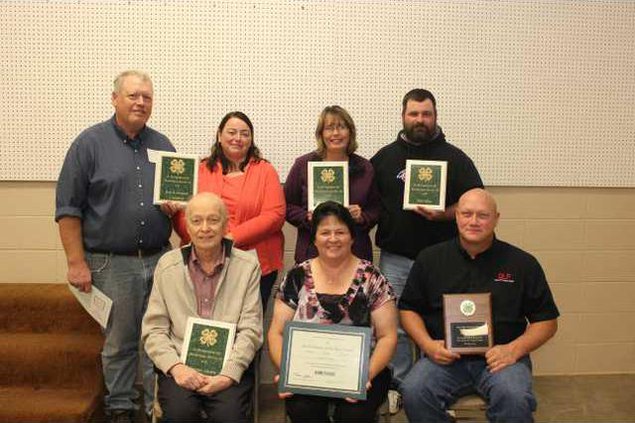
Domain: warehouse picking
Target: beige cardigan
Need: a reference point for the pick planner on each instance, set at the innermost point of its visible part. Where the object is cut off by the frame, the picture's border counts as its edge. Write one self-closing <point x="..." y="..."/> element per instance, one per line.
<point x="173" y="300"/>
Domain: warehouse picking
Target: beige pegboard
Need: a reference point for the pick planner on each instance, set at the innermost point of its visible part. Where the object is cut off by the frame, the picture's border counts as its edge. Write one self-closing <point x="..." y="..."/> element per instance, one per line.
<point x="538" y="93"/>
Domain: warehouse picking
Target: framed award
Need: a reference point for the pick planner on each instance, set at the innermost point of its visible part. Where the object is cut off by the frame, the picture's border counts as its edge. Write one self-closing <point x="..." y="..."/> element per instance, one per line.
<point x="468" y="323"/>
<point x="425" y="184"/>
<point x="207" y="344"/>
<point x="327" y="181"/>
<point x="175" y="177"/>
<point x="325" y="360"/>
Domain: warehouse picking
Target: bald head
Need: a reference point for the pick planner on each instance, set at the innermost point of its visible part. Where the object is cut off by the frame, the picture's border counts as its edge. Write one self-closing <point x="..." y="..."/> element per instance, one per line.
<point x="476" y="218"/>
<point x="206" y="222"/>
<point x="206" y="200"/>
<point x="480" y="195"/>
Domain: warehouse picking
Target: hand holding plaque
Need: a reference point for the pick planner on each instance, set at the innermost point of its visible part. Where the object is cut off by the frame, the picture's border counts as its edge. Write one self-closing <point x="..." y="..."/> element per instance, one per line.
<point x="468" y="323"/>
<point x="425" y="184"/>
<point x="327" y="181"/>
<point x="175" y="177"/>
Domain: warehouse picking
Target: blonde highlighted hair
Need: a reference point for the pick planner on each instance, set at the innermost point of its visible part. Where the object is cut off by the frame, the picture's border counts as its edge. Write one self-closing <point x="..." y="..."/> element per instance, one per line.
<point x="347" y="120"/>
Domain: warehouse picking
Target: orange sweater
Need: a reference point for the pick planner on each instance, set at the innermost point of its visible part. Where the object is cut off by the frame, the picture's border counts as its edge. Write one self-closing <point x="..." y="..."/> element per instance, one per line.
<point x="258" y="215"/>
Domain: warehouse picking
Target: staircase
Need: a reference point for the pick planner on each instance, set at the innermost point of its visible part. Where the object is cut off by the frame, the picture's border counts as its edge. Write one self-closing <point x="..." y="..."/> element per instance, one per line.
<point x="50" y="369"/>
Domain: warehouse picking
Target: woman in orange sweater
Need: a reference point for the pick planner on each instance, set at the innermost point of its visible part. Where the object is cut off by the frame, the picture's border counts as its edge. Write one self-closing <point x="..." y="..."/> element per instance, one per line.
<point x="251" y="190"/>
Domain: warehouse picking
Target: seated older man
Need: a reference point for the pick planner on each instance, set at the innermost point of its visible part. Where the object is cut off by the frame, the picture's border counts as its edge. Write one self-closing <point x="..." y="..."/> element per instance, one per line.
<point x="205" y="279"/>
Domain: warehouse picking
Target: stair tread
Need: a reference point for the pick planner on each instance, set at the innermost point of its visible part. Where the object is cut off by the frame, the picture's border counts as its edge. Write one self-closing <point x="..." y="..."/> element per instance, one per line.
<point x="39" y="360"/>
<point x="50" y="341"/>
<point x="26" y="404"/>
<point x="42" y="308"/>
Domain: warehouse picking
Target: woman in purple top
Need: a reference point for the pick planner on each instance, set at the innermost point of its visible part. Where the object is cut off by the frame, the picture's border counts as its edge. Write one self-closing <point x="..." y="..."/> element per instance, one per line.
<point x="335" y="136"/>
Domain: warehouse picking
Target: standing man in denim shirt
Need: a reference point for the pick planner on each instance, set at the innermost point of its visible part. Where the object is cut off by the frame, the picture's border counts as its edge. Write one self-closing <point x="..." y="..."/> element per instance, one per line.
<point x="401" y="234"/>
<point x="112" y="233"/>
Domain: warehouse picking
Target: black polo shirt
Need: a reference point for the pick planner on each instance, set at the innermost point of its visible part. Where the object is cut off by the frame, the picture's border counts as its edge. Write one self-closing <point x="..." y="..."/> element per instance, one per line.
<point x="515" y="279"/>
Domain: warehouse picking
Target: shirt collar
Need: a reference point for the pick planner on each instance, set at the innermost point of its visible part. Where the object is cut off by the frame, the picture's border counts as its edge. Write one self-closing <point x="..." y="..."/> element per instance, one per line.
<point x="187" y="250"/>
<point x="486" y="253"/>
<point x="218" y="264"/>
<point x="124" y="137"/>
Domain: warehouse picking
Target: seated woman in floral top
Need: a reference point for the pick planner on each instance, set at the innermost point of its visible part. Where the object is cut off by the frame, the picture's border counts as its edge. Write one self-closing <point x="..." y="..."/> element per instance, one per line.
<point x="337" y="288"/>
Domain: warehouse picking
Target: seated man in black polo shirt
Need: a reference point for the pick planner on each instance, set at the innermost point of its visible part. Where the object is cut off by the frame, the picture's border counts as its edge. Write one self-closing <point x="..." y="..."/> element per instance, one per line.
<point x="524" y="318"/>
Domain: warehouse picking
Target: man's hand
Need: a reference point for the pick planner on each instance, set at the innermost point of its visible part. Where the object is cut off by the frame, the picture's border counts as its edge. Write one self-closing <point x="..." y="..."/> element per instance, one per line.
<point x="215" y="384"/>
<point x="437" y="352"/>
<point x="434" y="215"/>
<point x="499" y="357"/>
<point x="79" y="276"/>
<point x="187" y="378"/>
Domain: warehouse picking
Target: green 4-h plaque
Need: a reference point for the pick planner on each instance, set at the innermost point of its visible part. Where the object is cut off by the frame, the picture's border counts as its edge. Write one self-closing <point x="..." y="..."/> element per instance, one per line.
<point x="175" y="177"/>
<point x="207" y="345"/>
<point x="327" y="181"/>
<point x="425" y="184"/>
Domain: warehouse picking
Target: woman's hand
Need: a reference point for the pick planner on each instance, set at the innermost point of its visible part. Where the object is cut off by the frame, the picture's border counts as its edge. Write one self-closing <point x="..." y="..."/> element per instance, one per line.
<point x="353" y="400"/>
<point x="356" y="212"/>
<point x="281" y="395"/>
<point x="170" y="208"/>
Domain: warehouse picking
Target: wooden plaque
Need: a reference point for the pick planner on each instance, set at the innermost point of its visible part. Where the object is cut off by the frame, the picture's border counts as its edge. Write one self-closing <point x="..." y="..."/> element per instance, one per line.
<point x="468" y="323"/>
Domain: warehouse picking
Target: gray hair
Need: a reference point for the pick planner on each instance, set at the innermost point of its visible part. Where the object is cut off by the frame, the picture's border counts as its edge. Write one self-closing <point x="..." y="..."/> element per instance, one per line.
<point x="216" y="200"/>
<point x="123" y="75"/>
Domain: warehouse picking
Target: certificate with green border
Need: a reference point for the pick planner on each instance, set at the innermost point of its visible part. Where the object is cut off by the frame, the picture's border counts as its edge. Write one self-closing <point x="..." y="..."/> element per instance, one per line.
<point x="175" y="177"/>
<point x="426" y="182"/>
<point x="325" y="360"/>
<point x="207" y="344"/>
<point x="327" y="181"/>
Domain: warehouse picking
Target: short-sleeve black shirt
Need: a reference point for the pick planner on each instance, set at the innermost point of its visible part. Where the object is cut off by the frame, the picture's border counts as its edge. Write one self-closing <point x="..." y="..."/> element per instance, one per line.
<point x="515" y="279"/>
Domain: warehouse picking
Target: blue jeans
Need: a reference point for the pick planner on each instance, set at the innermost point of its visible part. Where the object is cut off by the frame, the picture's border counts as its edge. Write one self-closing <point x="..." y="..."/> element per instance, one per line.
<point x="396" y="269"/>
<point x="127" y="281"/>
<point x="430" y="388"/>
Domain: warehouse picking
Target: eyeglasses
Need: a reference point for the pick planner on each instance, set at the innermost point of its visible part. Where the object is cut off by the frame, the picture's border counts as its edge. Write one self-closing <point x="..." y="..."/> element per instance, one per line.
<point x="331" y="128"/>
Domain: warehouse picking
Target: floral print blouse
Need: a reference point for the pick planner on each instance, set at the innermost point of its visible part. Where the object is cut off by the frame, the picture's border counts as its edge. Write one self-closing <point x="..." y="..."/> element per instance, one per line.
<point x="369" y="290"/>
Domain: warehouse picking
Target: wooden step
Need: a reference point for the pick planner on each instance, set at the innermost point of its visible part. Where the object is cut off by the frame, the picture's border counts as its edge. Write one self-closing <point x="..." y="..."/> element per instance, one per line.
<point x="48" y="405"/>
<point x="67" y="360"/>
<point x="42" y="307"/>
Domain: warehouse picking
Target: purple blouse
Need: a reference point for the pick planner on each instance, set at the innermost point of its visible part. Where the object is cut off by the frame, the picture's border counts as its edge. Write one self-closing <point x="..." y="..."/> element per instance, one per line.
<point x="362" y="191"/>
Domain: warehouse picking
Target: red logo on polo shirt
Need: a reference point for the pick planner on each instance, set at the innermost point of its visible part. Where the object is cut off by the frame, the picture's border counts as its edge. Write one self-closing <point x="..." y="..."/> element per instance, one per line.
<point x="504" y="277"/>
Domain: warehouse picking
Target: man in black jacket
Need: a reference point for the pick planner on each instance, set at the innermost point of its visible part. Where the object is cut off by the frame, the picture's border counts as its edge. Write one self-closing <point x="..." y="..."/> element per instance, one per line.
<point x="401" y="234"/>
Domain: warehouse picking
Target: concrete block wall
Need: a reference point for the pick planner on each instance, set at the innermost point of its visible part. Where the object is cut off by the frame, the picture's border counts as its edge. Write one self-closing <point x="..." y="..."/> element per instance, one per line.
<point x="584" y="238"/>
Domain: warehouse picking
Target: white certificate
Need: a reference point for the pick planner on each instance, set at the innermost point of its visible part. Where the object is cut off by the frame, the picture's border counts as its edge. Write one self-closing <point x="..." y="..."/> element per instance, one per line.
<point x="95" y="302"/>
<point x="325" y="360"/>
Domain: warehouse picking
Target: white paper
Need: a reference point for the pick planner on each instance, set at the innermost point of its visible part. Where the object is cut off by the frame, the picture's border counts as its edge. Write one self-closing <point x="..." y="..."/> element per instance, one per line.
<point x="95" y="302"/>
<point x="154" y="155"/>
<point x="477" y="331"/>
<point x="325" y="360"/>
